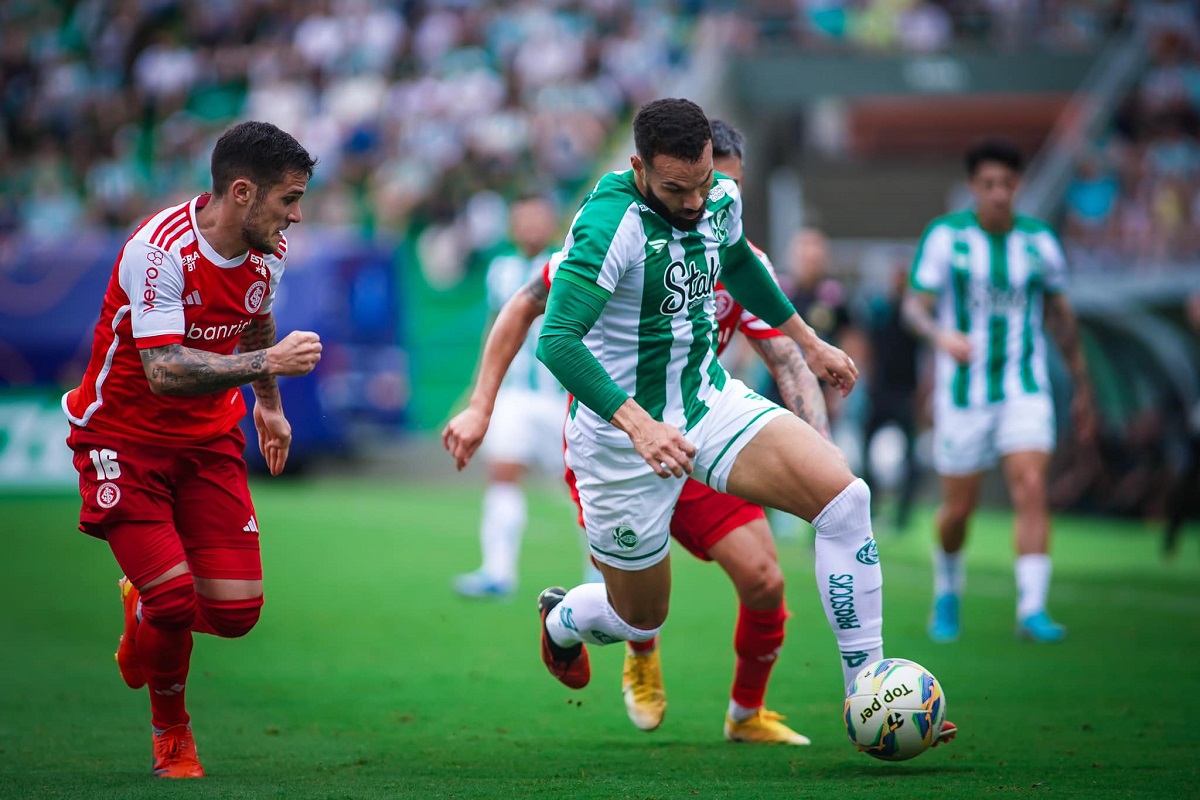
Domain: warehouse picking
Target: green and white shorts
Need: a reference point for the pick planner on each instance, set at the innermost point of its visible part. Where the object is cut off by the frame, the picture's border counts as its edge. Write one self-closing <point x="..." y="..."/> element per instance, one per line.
<point x="971" y="440"/>
<point x="627" y="508"/>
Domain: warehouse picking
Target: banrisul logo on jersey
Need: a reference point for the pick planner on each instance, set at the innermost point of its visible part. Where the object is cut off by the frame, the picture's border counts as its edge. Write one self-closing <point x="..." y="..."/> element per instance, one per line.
<point x="688" y="284"/>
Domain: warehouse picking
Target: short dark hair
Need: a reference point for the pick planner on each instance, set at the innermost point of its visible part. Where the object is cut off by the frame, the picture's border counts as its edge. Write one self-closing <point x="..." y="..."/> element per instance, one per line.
<point x="728" y="141"/>
<point x="260" y="152"/>
<point x="1000" y="151"/>
<point x="671" y="127"/>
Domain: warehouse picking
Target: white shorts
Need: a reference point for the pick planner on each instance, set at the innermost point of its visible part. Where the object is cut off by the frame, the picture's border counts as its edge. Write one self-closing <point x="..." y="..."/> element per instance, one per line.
<point x="526" y="428"/>
<point x="627" y="508"/>
<point x="971" y="440"/>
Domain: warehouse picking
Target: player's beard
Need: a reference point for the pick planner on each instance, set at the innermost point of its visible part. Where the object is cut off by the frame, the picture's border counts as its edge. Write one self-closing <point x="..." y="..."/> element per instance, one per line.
<point x="660" y="208"/>
<point x="252" y="229"/>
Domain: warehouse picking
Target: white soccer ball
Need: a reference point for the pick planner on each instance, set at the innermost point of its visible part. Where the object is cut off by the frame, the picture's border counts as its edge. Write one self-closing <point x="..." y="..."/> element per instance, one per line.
<point x="894" y="709"/>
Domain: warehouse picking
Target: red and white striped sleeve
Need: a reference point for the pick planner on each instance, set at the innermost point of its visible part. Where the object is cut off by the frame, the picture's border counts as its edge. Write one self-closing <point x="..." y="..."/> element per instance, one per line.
<point x="749" y="324"/>
<point x="276" y="262"/>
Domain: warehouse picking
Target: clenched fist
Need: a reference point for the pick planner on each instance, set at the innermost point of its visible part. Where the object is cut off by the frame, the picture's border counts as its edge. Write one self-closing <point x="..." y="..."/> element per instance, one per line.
<point x="297" y="354"/>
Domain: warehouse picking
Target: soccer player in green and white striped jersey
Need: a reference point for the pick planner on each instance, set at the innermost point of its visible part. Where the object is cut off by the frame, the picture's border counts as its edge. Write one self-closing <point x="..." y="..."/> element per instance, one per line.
<point x="630" y="331"/>
<point x="987" y="283"/>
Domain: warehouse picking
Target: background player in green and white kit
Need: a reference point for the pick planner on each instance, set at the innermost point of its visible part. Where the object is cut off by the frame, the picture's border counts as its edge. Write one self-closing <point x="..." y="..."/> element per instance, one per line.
<point x="986" y="281"/>
<point x="630" y="331"/>
<point x="526" y="425"/>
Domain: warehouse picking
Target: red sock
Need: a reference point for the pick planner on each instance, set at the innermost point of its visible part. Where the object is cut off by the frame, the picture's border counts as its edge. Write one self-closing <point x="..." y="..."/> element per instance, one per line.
<point x="164" y="643"/>
<point x="757" y="639"/>
<point x="644" y="647"/>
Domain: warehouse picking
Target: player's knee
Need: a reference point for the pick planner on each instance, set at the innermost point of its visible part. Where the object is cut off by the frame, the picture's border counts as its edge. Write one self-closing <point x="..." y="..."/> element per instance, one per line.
<point x="764" y="589"/>
<point x="231" y="619"/>
<point x="1028" y="490"/>
<point x="956" y="511"/>
<point x="646" y="620"/>
<point x="170" y="605"/>
<point x="849" y="511"/>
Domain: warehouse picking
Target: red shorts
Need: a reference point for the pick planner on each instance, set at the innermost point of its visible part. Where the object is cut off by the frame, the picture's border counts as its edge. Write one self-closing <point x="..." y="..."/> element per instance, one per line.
<point x="158" y="505"/>
<point x="703" y="516"/>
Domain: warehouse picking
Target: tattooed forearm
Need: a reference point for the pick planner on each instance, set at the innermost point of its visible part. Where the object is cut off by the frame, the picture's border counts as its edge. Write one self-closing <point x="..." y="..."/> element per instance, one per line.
<point x="798" y="386"/>
<point x="178" y="370"/>
<point x="1060" y="321"/>
<point x="259" y="336"/>
<point x="536" y="293"/>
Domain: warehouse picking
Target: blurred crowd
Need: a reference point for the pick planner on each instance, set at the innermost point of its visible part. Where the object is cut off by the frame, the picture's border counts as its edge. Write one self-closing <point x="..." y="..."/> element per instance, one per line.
<point x="109" y="108"/>
<point x="931" y="26"/>
<point x="1134" y="203"/>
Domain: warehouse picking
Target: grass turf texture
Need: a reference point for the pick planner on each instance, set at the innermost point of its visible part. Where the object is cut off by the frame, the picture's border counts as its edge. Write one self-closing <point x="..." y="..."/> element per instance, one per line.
<point x="368" y="678"/>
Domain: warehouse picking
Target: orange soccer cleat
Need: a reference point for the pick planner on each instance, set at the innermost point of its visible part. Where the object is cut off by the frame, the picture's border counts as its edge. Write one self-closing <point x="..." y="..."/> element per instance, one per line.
<point x="949" y="731"/>
<point x="127" y="656"/>
<point x="569" y="664"/>
<point x="175" y="753"/>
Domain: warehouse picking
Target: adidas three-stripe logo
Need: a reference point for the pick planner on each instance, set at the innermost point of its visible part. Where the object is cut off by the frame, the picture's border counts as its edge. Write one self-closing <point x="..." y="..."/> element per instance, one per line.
<point x="251" y="526"/>
<point x="192" y="298"/>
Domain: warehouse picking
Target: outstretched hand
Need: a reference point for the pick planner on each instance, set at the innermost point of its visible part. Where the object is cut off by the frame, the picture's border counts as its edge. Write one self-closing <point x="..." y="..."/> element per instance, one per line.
<point x="464" y="434"/>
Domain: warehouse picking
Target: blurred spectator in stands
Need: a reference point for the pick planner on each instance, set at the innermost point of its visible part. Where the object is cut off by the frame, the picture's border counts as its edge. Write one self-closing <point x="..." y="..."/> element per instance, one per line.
<point x="1091" y="204"/>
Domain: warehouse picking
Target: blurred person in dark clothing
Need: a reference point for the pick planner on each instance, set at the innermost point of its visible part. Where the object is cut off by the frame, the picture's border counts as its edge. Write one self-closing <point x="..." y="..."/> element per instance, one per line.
<point x="822" y="301"/>
<point x="892" y="388"/>
<point x="1182" y="501"/>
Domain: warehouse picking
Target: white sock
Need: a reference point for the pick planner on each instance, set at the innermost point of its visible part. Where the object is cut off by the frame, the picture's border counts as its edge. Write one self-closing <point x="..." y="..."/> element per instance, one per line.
<point x="500" y="530"/>
<point x="584" y="615"/>
<point x="949" y="577"/>
<point x="740" y="713"/>
<point x="1033" y="583"/>
<point x="849" y="577"/>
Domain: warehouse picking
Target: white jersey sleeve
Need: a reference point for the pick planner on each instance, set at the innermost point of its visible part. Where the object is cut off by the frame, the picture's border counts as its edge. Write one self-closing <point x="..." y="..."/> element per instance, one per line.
<point x="152" y="279"/>
<point x="1054" y="261"/>
<point x="506" y="275"/>
<point x="277" y="263"/>
<point x="931" y="264"/>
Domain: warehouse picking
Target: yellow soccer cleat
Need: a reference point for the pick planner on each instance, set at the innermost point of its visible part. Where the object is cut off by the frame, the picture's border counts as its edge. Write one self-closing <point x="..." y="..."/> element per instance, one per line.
<point x="642" y="686"/>
<point x="765" y="727"/>
<point x="128" y="661"/>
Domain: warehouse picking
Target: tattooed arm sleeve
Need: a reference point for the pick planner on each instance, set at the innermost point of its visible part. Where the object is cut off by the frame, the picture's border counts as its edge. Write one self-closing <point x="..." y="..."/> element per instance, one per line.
<point x="177" y="370"/>
<point x="798" y="386"/>
<point x="259" y="336"/>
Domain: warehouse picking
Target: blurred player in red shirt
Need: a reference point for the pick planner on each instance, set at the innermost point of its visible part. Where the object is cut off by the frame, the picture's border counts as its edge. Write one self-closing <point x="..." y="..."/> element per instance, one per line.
<point x="185" y="321"/>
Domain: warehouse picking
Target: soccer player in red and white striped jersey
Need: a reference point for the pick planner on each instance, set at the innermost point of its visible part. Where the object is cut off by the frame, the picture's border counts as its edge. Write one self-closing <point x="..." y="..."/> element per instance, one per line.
<point x="186" y="320"/>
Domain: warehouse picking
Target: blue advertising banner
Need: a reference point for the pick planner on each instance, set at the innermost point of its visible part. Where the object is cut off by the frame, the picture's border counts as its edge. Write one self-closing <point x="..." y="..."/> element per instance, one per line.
<point x="342" y="288"/>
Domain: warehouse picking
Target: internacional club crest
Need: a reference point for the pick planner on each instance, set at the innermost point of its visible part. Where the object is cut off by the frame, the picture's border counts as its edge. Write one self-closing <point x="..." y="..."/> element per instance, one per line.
<point x="108" y="494"/>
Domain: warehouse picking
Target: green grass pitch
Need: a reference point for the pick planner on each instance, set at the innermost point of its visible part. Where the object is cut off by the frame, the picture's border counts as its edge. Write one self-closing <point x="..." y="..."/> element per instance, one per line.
<point x="368" y="678"/>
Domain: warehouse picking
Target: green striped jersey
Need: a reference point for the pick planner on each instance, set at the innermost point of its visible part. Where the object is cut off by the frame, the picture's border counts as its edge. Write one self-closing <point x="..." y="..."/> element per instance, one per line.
<point x="657" y="334"/>
<point x="507" y="273"/>
<point x="990" y="287"/>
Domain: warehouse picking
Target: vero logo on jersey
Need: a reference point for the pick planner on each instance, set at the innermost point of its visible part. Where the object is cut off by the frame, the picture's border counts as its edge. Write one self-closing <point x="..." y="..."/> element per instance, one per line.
<point x="688" y="284"/>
